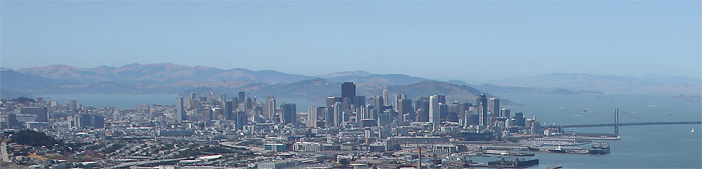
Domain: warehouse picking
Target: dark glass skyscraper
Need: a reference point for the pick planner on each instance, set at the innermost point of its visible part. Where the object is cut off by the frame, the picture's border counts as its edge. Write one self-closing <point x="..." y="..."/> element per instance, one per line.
<point x="348" y="91"/>
<point x="494" y="106"/>
<point x="289" y="114"/>
<point x="422" y="109"/>
<point x="404" y="107"/>
<point x="483" y="110"/>
<point x="229" y="110"/>
<point x="242" y="97"/>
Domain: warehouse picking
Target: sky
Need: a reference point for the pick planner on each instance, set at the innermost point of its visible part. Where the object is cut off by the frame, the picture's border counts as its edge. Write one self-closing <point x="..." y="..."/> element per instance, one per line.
<point x="463" y="40"/>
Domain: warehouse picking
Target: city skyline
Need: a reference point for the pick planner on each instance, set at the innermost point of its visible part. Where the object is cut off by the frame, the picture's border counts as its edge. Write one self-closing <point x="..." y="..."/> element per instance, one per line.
<point x="496" y="39"/>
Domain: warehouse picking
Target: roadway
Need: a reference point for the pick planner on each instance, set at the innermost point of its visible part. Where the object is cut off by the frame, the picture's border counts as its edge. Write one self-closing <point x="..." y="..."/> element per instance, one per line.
<point x="5" y="155"/>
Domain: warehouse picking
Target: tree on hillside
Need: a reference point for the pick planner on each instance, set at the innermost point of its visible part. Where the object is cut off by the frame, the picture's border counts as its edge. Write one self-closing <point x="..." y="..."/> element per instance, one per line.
<point x="24" y="100"/>
<point x="33" y="138"/>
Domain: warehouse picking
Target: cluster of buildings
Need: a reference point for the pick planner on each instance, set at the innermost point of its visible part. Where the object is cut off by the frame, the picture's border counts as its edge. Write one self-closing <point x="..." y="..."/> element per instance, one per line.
<point x="349" y="130"/>
<point x="39" y="113"/>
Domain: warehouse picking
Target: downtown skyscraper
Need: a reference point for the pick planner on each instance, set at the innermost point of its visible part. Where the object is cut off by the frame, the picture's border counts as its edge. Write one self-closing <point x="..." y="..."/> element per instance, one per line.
<point x="434" y="113"/>
<point x="483" y="110"/>
<point x="348" y="91"/>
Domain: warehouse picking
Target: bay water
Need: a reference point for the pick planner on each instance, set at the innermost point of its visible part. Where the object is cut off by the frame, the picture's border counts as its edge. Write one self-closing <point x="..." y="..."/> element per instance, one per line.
<point x="654" y="146"/>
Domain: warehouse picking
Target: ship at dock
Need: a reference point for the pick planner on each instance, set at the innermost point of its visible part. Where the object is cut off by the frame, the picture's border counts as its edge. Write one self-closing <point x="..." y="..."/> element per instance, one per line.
<point x="599" y="148"/>
<point x="515" y="163"/>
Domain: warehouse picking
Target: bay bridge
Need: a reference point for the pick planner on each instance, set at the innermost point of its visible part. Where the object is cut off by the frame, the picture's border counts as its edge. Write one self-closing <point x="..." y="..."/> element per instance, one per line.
<point x="616" y="123"/>
<point x="629" y="124"/>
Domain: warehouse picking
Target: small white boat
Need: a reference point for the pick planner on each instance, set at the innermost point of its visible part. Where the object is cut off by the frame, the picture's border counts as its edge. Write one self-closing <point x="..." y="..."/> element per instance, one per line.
<point x="692" y="131"/>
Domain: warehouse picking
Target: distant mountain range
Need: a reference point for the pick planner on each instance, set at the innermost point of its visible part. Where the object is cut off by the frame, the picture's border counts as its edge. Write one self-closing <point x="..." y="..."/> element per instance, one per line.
<point x="162" y="73"/>
<point x="649" y="84"/>
<point x="166" y="78"/>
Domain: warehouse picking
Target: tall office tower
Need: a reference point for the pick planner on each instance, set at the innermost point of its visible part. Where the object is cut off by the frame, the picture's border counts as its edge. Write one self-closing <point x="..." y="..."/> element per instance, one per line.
<point x="461" y="111"/>
<point x="289" y="114"/>
<point x="338" y="114"/>
<point x="236" y="102"/>
<point x="331" y="100"/>
<point x="422" y="107"/>
<point x="434" y="113"/>
<point x="211" y="98"/>
<point x="348" y="91"/>
<point x="41" y="112"/>
<point x="188" y="104"/>
<point x="494" y="106"/>
<point x="483" y="110"/>
<point x="269" y="107"/>
<point x="359" y="102"/>
<point x="505" y="113"/>
<point x="445" y="115"/>
<point x="518" y="120"/>
<point x="248" y="104"/>
<point x="321" y="117"/>
<point x="399" y="97"/>
<point x="229" y="110"/>
<point x="386" y="97"/>
<point x="73" y="106"/>
<point x="346" y="105"/>
<point x="384" y="118"/>
<point x="404" y="106"/>
<point x="534" y="126"/>
<point x="442" y="98"/>
<point x="464" y="114"/>
<point x="211" y="115"/>
<point x="180" y="110"/>
<point x="329" y="117"/>
<point x="11" y="120"/>
<point x="453" y="107"/>
<point x="240" y="119"/>
<point x="372" y="106"/>
<point x="362" y="113"/>
<point x="224" y="97"/>
<point x="379" y="103"/>
<point x="312" y="116"/>
<point x="242" y="97"/>
<point x="94" y="121"/>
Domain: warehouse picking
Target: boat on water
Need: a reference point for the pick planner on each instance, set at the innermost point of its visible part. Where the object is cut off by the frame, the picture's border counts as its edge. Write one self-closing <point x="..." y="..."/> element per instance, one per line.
<point x="599" y="148"/>
<point x="692" y="131"/>
<point x="585" y="110"/>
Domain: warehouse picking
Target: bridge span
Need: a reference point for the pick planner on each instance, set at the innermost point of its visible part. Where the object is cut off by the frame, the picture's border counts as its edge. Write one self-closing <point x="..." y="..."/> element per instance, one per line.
<point x="626" y="124"/>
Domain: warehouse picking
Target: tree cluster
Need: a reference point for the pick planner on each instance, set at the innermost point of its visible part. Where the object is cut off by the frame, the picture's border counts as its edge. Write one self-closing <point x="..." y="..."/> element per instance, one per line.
<point x="33" y="138"/>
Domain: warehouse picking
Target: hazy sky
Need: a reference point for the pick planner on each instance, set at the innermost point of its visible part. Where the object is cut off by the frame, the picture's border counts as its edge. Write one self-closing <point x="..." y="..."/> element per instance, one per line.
<point x="442" y="40"/>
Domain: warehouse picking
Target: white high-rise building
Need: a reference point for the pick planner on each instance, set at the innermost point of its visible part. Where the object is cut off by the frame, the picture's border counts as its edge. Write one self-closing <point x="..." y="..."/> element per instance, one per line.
<point x="269" y="108"/>
<point x="434" y="113"/>
<point x="180" y="112"/>
<point x="311" y="116"/>
<point x="386" y="97"/>
<point x="338" y="114"/>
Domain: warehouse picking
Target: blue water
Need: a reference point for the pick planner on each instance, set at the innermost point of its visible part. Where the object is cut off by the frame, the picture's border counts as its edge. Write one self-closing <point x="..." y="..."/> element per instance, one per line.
<point x="664" y="146"/>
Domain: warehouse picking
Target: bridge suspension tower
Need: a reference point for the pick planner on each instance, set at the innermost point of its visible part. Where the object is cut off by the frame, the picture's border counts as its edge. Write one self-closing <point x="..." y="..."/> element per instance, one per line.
<point x="616" y="122"/>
